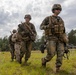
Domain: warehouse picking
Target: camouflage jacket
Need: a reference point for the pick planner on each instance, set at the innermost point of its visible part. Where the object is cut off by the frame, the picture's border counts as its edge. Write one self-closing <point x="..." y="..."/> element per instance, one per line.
<point x="14" y="37"/>
<point x="53" y="25"/>
<point x="54" y="28"/>
<point x="25" y="32"/>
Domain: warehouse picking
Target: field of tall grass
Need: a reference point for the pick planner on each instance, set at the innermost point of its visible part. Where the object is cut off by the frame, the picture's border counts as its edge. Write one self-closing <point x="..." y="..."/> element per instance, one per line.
<point x="14" y="68"/>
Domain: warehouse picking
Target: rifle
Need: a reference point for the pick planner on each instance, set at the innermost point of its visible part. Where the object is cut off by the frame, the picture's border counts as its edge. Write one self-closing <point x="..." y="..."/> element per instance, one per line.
<point x="11" y="32"/>
<point x="43" y="47"/>
<point x="32" y="35"/>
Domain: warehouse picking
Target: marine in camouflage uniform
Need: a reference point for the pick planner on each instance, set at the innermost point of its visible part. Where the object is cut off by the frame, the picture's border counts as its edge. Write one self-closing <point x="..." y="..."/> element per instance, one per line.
<point x="54" y="32"/>
<point x="28" y="35"/>
<point x="17" y="39"/>
<point x="11" y="46"/>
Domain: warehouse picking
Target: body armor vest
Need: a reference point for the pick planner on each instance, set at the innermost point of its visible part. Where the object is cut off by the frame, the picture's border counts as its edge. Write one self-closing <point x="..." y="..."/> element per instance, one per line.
<point x="57" y="25"/>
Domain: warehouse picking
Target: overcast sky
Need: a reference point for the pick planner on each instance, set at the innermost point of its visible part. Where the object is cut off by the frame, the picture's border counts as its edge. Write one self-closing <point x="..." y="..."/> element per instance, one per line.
<point x="12" y="12"/>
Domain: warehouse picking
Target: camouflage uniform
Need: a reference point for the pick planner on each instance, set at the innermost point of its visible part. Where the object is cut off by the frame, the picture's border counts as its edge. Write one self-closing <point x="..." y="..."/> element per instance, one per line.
<point x="26" y="38"/>
<point x="18" y="43"/>
<point x="11" y="45"/>
<point x="54" y="30"/>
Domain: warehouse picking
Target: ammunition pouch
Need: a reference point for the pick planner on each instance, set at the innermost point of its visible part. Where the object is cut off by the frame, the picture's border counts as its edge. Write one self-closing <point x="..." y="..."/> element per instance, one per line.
<point x="47" y="32"/>
<point x="57" y="29"/>
<point x="63" y="38"/>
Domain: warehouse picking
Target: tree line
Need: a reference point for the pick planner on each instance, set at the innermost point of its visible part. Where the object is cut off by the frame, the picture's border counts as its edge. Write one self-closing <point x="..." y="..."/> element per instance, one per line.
<point x="4" y="43"/>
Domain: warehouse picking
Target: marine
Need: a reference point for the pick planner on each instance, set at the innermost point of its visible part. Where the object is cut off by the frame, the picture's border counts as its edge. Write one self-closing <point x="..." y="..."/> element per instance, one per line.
<point x="11" y="45"/>
<point x="55" y="35"/>
<point x="27" y="34"/>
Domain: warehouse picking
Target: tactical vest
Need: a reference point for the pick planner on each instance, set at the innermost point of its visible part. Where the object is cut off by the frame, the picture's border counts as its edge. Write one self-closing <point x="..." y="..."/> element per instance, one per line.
<point x="56" y="26"/>
<point x="26" y="32"/>
<point x="23" y="30"/>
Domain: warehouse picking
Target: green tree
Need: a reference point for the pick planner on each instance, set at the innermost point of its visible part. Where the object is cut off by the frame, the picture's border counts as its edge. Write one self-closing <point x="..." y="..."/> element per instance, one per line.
<point x="4" y="45"/>
<point x="72" y="37"/>
<point x="38" y="42"/>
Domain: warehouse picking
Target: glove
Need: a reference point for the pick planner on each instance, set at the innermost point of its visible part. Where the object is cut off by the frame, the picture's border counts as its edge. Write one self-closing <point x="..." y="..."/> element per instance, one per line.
<point x="46" y="27"/>
<point x="66" y="50"/>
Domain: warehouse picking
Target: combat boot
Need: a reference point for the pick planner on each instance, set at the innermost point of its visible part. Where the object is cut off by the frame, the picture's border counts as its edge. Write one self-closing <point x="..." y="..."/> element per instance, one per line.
<point x="20" y="61"/>
<point x="57" y="69"/>
<point x="11" y="60"/>
<point x="25" y="64"/>
<point x="43" y="62"/>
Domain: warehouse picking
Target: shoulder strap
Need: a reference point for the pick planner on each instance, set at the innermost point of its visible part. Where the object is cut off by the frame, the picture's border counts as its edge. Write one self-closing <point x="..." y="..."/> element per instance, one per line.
<point x="50" y="19"/>
<point x="29" y="28"/>
<point x="48" y="30"/>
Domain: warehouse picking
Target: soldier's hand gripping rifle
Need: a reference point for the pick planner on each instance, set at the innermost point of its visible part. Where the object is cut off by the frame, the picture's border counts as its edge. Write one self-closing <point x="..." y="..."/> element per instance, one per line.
<point x="32" y="35"/>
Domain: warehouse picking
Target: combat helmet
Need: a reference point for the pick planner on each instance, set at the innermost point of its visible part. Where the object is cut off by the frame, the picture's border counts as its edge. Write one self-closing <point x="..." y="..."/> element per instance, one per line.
<point x="14" y="31"/>
<point x="56" y="6"/>
<point x="27" y="16"/>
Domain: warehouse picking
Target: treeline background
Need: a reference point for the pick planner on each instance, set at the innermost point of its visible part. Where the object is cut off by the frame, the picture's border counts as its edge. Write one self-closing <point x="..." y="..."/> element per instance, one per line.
<point x="4" y="44"/>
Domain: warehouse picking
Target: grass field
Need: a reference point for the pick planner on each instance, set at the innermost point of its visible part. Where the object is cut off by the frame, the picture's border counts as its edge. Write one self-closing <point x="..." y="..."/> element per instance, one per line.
<point x="14" y="68"/>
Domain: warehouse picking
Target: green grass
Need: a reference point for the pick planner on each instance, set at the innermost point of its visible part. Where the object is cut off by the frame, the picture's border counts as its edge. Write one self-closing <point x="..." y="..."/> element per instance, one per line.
<point x="14" y="68"/>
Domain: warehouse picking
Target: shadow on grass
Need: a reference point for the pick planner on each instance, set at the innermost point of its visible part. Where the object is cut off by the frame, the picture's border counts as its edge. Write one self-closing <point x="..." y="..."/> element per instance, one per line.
<point x="45" y="71"/>
<point x="38" y="69"/>
<point x="63" y="72"/>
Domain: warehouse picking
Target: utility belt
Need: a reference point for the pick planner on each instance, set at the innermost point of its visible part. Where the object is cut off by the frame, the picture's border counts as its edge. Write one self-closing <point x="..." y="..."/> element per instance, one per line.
<point x="61" y="37"/>
<point x="28" y="38"/>
<point x="52" y="32"/>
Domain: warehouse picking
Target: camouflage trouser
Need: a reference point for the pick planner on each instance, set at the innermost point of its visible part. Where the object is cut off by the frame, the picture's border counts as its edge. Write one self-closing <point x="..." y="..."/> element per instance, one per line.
<point x="22" y="48"/>
<point x="19" y="50"/>
<point x="12" y="51"/>
<point x="55" y="47"/>
<point x="28" y="46"/>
